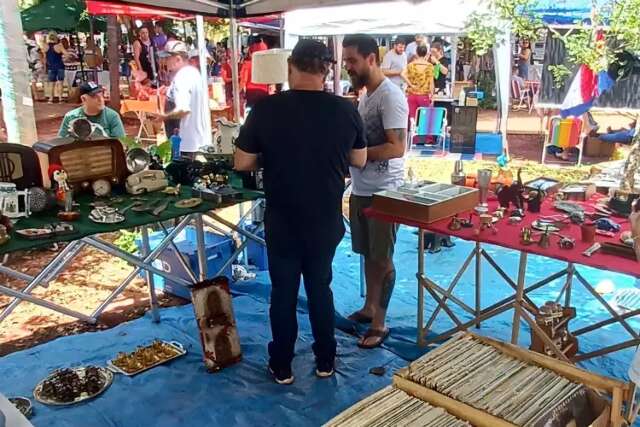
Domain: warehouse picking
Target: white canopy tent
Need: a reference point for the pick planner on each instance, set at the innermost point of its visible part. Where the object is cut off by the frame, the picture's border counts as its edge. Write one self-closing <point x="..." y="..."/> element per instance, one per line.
<point x="340" y="17"/>
<point x="430" y="17"/>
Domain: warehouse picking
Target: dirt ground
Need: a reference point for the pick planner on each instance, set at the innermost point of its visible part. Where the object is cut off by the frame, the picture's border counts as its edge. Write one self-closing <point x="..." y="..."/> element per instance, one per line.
<point x="85" y="283"/>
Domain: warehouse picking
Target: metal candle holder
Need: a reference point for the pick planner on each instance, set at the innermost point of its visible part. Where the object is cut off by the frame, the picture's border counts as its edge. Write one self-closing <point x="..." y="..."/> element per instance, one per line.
<point x="484" y="179"/>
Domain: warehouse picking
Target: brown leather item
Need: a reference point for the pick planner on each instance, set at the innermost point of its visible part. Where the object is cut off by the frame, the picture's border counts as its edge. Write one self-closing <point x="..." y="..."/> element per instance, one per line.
<point x="87" y="161"/>
<point x="618" y="249"/>
<point x="19" y="164"/>
<point x="213" y="307"/>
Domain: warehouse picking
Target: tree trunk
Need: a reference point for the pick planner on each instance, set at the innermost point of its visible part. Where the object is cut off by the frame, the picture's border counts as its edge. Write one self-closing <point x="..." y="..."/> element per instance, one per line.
<point x="632" y="165"/>
<point x="113" y="54"/>
<point x="15" y="78"/>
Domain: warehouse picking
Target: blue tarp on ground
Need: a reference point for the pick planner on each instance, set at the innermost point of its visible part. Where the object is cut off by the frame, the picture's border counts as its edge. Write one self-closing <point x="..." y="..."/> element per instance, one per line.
<point x="182" y="393"/>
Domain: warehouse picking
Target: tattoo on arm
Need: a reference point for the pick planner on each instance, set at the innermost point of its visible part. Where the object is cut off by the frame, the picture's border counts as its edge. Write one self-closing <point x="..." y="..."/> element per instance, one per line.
<point x="388" y="284"/>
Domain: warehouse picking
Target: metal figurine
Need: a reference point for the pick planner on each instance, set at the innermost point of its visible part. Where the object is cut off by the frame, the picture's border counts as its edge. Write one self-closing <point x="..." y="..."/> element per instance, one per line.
<point x="545" y="240"/>
<point x="455" y="224"/>
<point x="566" y="242"/>
<point x="526" y="236"/>
<point x="534" y="201"/>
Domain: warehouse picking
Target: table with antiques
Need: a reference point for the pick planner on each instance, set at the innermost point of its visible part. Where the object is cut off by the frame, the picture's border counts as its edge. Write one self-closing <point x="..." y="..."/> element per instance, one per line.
<point x="560" y="239"/>
<point x="85" y="231"/>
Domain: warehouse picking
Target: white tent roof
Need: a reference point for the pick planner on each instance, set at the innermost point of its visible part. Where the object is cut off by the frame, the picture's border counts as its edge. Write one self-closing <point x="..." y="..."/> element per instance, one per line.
<point x="442" y="17"/>
<point x="243" y="8"/>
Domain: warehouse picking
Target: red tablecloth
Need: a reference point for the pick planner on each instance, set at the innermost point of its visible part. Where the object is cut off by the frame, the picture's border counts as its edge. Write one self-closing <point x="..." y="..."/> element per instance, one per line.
<point x="508" y="236"/>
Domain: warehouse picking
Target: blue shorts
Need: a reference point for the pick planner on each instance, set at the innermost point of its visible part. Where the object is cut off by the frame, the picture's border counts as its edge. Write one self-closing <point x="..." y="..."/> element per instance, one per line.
<point x="55" y="75"/>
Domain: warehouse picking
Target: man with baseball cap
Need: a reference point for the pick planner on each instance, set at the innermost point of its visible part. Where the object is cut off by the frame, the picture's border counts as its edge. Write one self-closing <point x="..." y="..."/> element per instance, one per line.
<point x="307" y="139"/>
<point x="93" y="109"/>
<point x="187" y="94"/>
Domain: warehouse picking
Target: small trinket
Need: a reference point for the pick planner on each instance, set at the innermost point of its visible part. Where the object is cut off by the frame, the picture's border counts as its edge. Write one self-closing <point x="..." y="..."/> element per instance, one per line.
<point x="499" y="213"/>
<point x="566" y="242"/>
<point x="534" y="201"/>
<point x="607" y="224"/>
<point x="455" y="224"/>
<point x="592" y="249"/>
<point x="515" y="220"/>
<point x="517" y="213"/>
<point x="526" y="237"/>
<point x="545" y="240"/>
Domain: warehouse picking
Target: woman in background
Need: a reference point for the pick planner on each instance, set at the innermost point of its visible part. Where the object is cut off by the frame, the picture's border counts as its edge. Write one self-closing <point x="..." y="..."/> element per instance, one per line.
<point x="54" y="66"/>
<point x="524" y="58"/>
<point x="420" y="83"/>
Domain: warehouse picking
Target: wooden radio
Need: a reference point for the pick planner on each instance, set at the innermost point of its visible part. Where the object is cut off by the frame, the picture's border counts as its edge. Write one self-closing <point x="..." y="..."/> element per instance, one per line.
<point x="19" y="164"/>
<point x="86" y="161"/>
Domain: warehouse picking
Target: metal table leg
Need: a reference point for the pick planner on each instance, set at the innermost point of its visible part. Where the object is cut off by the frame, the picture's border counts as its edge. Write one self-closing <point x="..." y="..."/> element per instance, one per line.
<point x="202" y="256"/>
<point x="153" y="301"/>
<point x="517" y="308"/>
<point x="420" y="287"/>
<point x="478" y="281"/>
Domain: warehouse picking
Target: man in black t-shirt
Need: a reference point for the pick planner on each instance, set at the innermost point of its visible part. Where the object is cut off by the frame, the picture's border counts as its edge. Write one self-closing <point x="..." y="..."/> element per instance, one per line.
<point x="438" y="60"/>
<point x="307" y="139"/>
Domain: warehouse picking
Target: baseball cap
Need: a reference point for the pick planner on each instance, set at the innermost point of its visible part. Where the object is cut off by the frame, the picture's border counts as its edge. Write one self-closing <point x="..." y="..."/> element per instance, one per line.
<point x="90" y="88"/>
<point x="174" y="47"/>
<point x="312" y="49"/>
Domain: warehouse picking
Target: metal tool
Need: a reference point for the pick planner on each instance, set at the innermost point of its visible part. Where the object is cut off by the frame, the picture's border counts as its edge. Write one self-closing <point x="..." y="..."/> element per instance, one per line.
<point x="592" y="249"/>
<point x="160" y="208"/>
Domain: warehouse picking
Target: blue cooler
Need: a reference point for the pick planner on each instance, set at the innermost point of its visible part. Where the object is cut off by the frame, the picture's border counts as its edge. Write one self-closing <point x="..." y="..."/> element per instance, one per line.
<point x="218" y="249"/>
<point x="256" y="253"/>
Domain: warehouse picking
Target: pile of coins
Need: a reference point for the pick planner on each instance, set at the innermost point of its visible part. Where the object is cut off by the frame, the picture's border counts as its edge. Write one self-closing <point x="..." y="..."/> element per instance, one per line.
<point x="393" y="407"/>
<point x="65" y="385"/>
<point x="481" y="376"/>
<point x="145" y="357"/>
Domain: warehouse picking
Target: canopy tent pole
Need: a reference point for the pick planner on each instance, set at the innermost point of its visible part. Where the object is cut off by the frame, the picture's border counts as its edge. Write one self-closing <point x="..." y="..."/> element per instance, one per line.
<point x="502" y="64"/>
<point x="233" y="39"/>
<point x="337" y="67"/>
<point x="202" y="56"/>
<point x="17" y="103"/>
<point x="454" y="60"/>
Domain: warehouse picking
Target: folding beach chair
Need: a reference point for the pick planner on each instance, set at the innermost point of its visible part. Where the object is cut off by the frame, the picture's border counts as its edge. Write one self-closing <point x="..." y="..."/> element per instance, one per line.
<point x="520" y="95"/>
<point x="429" y="121"/>
<point x="564" y="133"/>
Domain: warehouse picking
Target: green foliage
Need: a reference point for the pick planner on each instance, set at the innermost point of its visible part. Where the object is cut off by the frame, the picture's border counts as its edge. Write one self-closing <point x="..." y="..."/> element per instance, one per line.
<point x="163" y="151"/>
<point x="560" y="73"/>
<point x="127" y="241"/>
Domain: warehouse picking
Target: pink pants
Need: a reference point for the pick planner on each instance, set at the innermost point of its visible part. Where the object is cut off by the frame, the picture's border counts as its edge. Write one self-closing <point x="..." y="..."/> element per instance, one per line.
<point x="416" y="101"/>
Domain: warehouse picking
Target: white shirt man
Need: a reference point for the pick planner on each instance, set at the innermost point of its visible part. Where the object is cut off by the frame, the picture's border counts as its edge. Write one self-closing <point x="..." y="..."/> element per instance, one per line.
<point x="394" y="62"/>
<point x="188" y="95"/>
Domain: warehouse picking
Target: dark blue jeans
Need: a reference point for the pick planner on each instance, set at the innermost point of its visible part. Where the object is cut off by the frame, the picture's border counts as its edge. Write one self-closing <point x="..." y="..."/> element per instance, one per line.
<point x="622" y="136"/>
<point x="286" y="266"/>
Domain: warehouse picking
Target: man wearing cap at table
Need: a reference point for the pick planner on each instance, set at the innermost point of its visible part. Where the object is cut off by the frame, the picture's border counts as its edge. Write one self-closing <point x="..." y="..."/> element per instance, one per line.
<point x="307" y="139"/>
<point x="188" y="95"/>
<point x="93" y="109"/>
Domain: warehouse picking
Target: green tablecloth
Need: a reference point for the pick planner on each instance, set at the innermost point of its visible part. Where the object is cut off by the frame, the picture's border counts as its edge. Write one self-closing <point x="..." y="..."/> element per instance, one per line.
<point x="85" y="227"/>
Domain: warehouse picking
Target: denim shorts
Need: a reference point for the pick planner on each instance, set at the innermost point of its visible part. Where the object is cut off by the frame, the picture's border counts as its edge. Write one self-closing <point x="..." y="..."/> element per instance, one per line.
<point x="55" y="75"/>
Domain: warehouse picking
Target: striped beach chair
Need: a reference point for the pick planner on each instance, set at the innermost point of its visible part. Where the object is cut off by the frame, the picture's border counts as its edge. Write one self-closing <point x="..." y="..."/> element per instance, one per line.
<point x="564" y="133"/>
<point x="429" y="121"/>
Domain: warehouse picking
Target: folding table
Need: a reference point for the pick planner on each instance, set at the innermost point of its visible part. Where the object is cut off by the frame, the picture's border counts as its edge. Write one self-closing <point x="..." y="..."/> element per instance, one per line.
<point x="524" y="308"/>
<point x="87" y="234"/>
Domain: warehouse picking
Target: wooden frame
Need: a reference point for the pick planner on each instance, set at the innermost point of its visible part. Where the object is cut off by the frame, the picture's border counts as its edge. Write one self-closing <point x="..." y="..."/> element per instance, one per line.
<point x="619" y="391"/>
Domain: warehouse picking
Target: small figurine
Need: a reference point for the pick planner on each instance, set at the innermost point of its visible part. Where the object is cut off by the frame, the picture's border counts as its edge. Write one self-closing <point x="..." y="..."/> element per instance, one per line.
<point x="545" y="240"/>
<point x="455" y="224"/>
<point x="607" y="224"/>
<point x="566" y="242"/>
<point x="59" y="184"/>
<point x="534" y="200"/>
<point x="508" y="194"/>
<point x="526" y="237"/>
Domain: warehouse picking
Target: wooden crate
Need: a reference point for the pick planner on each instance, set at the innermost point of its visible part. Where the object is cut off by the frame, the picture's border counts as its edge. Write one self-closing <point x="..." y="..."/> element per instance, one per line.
<point x="610" y="413"/>
<point x="426" y="203"/>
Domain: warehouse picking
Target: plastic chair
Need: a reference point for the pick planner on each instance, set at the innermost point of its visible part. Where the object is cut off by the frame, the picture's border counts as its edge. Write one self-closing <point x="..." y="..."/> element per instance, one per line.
<point x="520" y="95"/>
<point x="564" y="133"/>
<point x="429" y="121"/>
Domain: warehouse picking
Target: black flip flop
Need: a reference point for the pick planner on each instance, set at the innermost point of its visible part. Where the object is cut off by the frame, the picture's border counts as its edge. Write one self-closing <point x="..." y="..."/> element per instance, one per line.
<point x="374" y="333"/>
<point x="358" y="317"/>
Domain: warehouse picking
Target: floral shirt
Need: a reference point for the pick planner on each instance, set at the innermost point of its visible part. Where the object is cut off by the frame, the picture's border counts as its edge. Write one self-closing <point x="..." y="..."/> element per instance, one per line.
<point x="421" y="77"/>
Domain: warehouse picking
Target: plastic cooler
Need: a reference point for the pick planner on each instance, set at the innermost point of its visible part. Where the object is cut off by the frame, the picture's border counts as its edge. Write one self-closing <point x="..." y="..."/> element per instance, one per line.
<point x="256" y="253"/>
<point x="218" y="249"/>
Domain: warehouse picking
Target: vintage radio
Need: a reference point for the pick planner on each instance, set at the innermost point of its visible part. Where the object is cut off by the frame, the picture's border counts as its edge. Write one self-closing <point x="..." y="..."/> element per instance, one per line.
<point x="86" y="161"/>
<point x="19" y="164"/>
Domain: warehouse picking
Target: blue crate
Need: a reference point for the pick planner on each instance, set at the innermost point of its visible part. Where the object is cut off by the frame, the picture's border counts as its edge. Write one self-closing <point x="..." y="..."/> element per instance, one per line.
<point x="218" y="249"/>
<point x="256" y="253"/>
<point x="489" y="143"/>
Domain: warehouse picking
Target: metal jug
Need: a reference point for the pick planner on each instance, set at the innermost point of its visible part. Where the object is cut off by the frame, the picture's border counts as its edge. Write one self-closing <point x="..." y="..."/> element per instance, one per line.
<point x="225" y="136"/>
<point x="10" y="201"/>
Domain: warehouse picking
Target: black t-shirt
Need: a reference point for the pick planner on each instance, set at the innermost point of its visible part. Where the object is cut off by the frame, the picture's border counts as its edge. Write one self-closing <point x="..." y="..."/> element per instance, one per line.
<point x="441" y="81"/>
<point x="305" y="138"/>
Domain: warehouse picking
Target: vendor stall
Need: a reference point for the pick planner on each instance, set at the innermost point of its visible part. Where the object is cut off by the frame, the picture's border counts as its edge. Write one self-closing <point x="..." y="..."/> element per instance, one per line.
<point x="565" y="242"/>
<point x="86" y="233"/>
